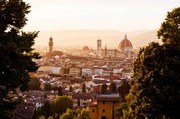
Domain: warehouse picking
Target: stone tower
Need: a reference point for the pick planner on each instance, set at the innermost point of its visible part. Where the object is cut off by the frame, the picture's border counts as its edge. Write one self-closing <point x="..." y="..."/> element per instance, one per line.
<point x="99" y="44"/>
<point x="105" y="52"/>
<point x="99" y="47"/>
<point x="50" y="45"/>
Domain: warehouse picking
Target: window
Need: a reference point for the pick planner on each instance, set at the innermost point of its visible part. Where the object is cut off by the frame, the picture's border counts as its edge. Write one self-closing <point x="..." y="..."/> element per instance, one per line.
<point x="93" y="110"/>
<point x="103" y="102"/>
<point x="103" y="110"/>
<point x="103" y="117"/>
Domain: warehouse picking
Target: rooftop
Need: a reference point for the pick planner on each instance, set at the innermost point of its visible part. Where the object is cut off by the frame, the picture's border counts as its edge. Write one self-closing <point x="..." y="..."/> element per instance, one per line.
<point x="109" y="97"/>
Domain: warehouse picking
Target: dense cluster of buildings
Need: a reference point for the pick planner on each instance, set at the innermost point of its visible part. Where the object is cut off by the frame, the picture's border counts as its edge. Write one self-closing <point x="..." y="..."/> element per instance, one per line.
<point x="92" y="68"/>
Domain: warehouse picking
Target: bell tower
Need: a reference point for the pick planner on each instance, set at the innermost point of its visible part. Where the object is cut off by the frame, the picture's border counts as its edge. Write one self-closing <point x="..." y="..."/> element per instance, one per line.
<point x="99" y="44"/>
<point x="50" y="45"/>
<point x="106" y="52"/>
<point x="99" y="47"/>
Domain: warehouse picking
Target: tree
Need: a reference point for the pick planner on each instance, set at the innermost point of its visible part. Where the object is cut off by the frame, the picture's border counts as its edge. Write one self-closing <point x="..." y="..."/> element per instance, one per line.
<point x="69" y="114"/>
<point x="34" y="84"/>
<point x="84" y="115"/>
<point x="60" y="93"/>
<point x="155" y="90"/>
<point x="70" y="89"/>
<point x="46" y="109"/>
<point x="65" y="71"/>
<point x="123" y="90"/>
<point x="47" y="87"/>
<point x="119" y="110"/>
<point x="61" y="104"/>
<point x="84" y="88"/>
<point x="103" y="88"/>
<point x="112" y="88"/>
<point x="16" y="52"/>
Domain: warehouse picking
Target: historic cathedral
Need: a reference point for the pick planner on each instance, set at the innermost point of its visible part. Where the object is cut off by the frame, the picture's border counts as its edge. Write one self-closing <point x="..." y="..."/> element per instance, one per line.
<point x="125" y="49"/>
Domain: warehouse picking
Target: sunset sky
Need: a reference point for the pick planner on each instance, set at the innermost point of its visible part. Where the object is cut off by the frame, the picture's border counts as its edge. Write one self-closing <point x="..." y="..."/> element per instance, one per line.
<point x="122" y="15"/>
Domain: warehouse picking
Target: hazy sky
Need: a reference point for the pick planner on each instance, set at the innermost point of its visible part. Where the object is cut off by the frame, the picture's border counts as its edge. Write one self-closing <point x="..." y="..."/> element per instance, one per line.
<point x="122" y="15"/>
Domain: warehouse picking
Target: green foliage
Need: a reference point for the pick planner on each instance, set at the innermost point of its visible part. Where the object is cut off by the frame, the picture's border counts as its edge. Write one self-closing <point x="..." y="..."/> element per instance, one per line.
<point x="76" y="114"/>
<point x="112" y="88"/>
<point x="84" y="115"/>
<point x="37" y="113"/>
<point x="155" y="90"/>
<point x="69" y="114"/>
<point x="45" y="95"/>
<point x="46" y="109"/>
<point x="123" y="90"/>
<point x="61" y="104"/>
<point x="60" y="93"/>
<point x="70" y="89"/>
<point x="84" y="88"/>
<point x="103" y="88"/>
<point x="34" y="84"/>
<point x="47" y="87"/>
<point x="119" y="110"/>
<point x="170" y="29"/>
<point x="16" y="52"/>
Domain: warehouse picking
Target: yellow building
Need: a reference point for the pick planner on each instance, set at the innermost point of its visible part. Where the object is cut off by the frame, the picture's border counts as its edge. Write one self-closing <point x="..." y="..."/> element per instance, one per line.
<point x="103" y="106"/>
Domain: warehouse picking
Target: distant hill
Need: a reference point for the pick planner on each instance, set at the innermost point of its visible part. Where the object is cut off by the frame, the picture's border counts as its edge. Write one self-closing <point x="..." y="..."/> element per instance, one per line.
<point x="80" y="38"/>
<point x="145" y="38"/>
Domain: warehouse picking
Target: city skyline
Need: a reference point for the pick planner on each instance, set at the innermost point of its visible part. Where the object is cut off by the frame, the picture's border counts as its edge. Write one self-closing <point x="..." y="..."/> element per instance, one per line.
<point x="119" y="15"/>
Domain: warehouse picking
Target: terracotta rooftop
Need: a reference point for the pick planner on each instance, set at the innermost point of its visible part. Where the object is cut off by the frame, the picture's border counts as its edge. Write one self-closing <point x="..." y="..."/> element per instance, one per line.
<point x="109" y="97"/>
<point x="82" y="96"/>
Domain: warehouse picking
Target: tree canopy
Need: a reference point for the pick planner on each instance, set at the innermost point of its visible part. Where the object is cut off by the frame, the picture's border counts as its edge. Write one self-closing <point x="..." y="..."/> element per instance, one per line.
<point x="60" y="93"/>
<point x="34" y="84"/>
<point x="70" y="89"/>
<point x="47" y="87"/>
<point x="61" y="104"/>
<point x="123" y="90"/>
<point x="112" y="88"/>
<point x="84" y="88"/>
<point x="103" y="88"/>
<point x="155" y="87"/>
<point x="69" y="114"/>
<point x="16" y="52"/>
<point x="84" y="114"/>
<point x="46" y="109"/>
<point x="76" y="114"/>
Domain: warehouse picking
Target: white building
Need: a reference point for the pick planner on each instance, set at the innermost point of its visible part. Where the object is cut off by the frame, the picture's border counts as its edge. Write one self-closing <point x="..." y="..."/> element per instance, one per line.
<point x="56" y="70"/>
<point x="87" y="72"/>
<point x="99" y="71"/>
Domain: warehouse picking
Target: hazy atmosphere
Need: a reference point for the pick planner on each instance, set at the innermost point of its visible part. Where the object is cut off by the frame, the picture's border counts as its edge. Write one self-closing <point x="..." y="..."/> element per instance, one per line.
<point x="84" y="21"/>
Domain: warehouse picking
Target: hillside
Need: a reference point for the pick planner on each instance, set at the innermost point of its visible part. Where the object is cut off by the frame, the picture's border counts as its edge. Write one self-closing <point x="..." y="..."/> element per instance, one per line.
<point x="144" y="39"/>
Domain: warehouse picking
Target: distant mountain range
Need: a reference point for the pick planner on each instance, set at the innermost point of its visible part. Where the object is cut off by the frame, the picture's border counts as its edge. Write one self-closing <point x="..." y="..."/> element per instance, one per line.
<point x="80" y="38"/>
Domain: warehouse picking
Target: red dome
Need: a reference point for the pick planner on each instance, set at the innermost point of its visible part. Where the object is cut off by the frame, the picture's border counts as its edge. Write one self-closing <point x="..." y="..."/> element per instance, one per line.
<point x="125" y="44"/>
<point x="86" y="48"/>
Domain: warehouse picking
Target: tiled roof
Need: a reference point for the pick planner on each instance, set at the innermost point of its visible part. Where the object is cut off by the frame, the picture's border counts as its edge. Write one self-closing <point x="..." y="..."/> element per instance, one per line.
<point x="109" y="97"/>
<point x="82" y="96"/>
<point x="24" y="111"/>
<point x="100" y="81"/>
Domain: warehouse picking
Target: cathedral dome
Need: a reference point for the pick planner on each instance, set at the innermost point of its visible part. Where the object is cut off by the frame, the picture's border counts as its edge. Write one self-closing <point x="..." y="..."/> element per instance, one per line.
<point x="125" y="45"/>
<point x="86" y="48"/>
